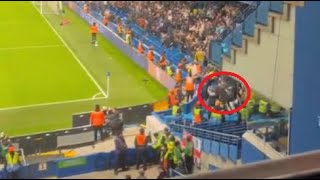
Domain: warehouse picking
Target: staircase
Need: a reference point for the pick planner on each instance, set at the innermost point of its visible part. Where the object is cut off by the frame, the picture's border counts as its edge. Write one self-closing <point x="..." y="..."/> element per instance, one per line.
<point x="261" y="49"/>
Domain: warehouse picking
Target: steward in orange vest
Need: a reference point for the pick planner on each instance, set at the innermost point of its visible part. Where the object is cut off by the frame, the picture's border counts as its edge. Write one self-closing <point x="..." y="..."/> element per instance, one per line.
<point x="178" y="74"/>
<point x="150" y="54"/>
<point x="140" y="48"/>
<point x="141" y="148"/>
<point x="163" y="61"/>
<point x="189" y="87"/>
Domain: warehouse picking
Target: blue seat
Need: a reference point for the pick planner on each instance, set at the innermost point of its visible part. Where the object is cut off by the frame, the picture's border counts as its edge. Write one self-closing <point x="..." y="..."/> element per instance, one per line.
<point x="233" y="153"/>
<point x="206" y="144"/>
<point x="215" y="148"/>
<point x="224" y="150"/>
<point x="232" y="118"/>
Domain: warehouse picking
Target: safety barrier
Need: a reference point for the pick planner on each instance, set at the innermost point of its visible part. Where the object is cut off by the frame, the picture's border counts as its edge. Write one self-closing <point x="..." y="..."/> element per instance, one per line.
<point x="216" y="143"/>
<point x="80" y="135"/>
<point x="155" y="71"/>
<point x="129" y="115"/>
<point x="75" y="166"/>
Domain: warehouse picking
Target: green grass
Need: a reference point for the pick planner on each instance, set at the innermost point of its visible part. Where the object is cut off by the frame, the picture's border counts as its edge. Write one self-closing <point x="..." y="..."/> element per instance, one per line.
<point x="45" y="75"/>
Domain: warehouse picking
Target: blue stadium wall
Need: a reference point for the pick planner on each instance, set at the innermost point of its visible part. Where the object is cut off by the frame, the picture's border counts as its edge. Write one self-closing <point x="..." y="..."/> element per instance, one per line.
<point x="305" y="121"/>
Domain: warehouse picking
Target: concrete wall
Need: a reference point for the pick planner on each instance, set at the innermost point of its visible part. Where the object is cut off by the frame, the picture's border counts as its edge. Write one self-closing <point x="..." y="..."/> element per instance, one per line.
<point x="268" y="66"/>
<point x="305" y="121"/>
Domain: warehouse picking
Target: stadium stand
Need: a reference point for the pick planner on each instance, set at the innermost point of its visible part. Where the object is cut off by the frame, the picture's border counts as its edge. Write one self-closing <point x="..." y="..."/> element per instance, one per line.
<point x="179" y="38"/>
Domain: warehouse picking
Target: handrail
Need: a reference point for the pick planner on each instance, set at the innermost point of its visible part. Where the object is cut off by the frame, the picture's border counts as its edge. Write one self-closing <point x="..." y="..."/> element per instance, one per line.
<point x="238" y="19"/>
<point x="297" y="166"/>
<point x="204" y="131"/>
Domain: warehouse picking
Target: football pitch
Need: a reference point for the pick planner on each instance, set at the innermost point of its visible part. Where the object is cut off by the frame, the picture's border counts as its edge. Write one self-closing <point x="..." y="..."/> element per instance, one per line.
<point x="49" y="72"/>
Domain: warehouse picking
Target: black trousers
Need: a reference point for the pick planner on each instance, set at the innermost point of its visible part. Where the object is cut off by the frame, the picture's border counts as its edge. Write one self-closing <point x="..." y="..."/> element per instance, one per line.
<point x="141" y="157"/>
<point x="121" y="161"/>
<point x="189" y="164"/>
<point x="190" y="95"/>
<point x="96" y="129"/>
<point x="93" y="38"/>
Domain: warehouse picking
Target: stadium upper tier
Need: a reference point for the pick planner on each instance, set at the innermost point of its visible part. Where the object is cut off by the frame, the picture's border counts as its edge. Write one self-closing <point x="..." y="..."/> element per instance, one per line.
<point x="176" y="28"/>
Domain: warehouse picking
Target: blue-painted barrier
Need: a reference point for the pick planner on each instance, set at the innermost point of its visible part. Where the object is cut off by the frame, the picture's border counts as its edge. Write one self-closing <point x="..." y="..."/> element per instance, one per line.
<point x="75" y="166"/>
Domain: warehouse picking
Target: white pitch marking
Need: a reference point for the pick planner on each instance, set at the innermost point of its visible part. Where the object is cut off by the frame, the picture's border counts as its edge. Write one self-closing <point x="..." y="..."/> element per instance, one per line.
<point x="48" y="104"/>
<point x="96" y="95"/>
<point x="30" y="47"/>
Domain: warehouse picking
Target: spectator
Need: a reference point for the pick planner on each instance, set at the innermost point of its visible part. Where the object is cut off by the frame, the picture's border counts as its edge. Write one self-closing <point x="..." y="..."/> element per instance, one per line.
<point x="121" y="150"/>
<point x="189" y="87"/>
<point x="115" y="121"/>
<point x="128" y="176"/>
<point x="97" y="120"/>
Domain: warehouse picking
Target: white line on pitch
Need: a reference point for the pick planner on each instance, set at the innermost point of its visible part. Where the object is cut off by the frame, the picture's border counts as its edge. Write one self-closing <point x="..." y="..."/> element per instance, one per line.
<point x="30" y="47"/>
<point x="72" y="53"/>
<point x="49" y="104"/>
<point x="96" y="95"/>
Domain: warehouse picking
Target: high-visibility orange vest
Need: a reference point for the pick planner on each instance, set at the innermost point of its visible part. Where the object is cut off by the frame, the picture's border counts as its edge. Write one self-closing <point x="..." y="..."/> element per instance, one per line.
<point x="189" y="86"/>
<point x="172" y="98"/>
<point x="97" y="118"/>
<point x="178" y="76"/>
<point x="141" y="139"/>
<point x="163" y="61"/>
<point x="94" y="29"/>
<point x="140" y="48"/>
<point x="150" y="55"/>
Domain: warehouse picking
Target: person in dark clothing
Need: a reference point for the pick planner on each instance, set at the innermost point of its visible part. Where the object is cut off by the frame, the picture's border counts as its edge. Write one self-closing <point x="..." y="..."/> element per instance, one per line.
<point x="115" y="122"/>
<point x="121" y="150"/>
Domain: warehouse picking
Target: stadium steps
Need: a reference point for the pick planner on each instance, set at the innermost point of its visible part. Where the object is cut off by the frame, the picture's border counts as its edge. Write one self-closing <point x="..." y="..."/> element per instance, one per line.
<point x="262" y="146"/>
<point x="260" y="29"/>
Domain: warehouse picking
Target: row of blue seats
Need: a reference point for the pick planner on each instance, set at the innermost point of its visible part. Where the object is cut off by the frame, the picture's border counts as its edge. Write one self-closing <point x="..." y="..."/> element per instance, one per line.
<point x="212" y="135"/>
<point x="224" y="150"/>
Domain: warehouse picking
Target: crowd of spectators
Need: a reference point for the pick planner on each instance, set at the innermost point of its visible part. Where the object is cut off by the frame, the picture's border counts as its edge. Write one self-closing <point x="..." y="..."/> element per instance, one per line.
<point x="224" y="93"/>
<point x="189" y="25"/>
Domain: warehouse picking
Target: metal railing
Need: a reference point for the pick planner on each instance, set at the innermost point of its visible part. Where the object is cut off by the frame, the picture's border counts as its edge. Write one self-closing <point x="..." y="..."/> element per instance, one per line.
<point x="304" y="165"/>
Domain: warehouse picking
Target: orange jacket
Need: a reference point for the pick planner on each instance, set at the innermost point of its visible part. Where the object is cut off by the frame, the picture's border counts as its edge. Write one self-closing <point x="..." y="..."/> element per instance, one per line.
<point x="178" y="75"/>
<point x="163" y="61"/>
<point x="150" y="55"/>
<point x="94" y="29"/>
<point x="140" y="48"/>
<point x="189" y="85"/>
<point x="97" y="118"/>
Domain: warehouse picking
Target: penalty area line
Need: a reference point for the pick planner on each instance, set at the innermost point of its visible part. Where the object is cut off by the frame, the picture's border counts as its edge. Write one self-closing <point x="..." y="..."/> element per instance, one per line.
<point x="70" y="50"/>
